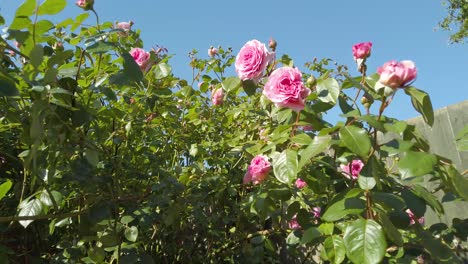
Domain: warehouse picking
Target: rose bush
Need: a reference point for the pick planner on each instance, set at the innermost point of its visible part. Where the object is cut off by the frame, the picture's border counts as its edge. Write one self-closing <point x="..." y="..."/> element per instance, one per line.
<point x="108" y="157"/>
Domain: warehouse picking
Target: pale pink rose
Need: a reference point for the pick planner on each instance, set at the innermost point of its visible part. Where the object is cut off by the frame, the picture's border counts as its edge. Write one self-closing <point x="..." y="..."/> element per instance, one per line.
<point x="217" y="96"/>
<point x="352" y="169"/>
<point x="316" y="211"/>
<point x="252" y="60"/>
<point x="396" y="74"/>
<point x="414" y="218"/>
<point x="85" y="4"/>
<point x="300" y="183"/>
<point x="125" y="26"/>
<point x="293" y="224"/>
<point x="212" y="51"/>
<point x="141" y="57"/>
<point x="362" y="50"/>
<point x="258" y="170"/>
<point x="286" y="89"/>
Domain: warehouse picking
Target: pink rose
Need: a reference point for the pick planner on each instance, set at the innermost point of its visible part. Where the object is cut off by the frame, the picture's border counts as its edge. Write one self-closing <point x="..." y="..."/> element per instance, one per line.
<point x="352" y="169"/>
<point x="85" y="4"/>
<point x="252" y="60"/>
<point x="258" y="170"/>
<point x="217" y="96"/>
<point x="125" y="26"/>
<point x="362" y="50"/>
<point x="300" y="183"/>
<point x="316" y="211"/>
<point x="286" y="89"/>
<point x="293" y="224"/>
<point x="212" y="51"/>
<point x="396" y="74"/>
<point x="141" y="57"/>
<point x="414" y="218"/>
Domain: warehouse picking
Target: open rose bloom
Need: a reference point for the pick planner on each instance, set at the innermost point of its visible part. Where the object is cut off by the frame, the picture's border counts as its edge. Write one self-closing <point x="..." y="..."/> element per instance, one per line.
<point x="286" y="89"/>
<point x="258" y="170"/>
<point x="141" y="57"/>
<point x="396" y="74"/>
<point x="125" y="26"/>
<point x="252" y="60"/>
<point x="352" y="169"/>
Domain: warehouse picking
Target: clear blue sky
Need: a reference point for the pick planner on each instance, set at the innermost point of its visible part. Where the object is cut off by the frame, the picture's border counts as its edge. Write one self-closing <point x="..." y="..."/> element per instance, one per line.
<point x="304" y="29"/>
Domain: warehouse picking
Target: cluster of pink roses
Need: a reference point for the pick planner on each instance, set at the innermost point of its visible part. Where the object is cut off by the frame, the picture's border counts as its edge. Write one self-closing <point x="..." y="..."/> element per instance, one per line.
<point x="393" y="74"/>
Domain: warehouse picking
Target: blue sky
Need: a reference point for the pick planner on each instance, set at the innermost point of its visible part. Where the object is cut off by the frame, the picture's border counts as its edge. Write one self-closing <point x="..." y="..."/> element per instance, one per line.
<point x="304" y="29"/>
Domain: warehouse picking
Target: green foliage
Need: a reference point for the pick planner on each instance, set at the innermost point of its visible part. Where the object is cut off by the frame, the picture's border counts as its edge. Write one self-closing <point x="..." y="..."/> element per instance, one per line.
<point x="456" y="21"/>
<point x="104" y="161"/>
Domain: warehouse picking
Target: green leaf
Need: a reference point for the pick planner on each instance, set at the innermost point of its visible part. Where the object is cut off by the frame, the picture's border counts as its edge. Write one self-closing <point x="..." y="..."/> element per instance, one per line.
<point x="430" y="199"/>
<point x="390" y="200"/>
<point x="365" y="242"/>
<point x="390" y="230"/>
<point x="318" y="145"/>
<point x="32" y="208"/>
<point x="78" y="20"/>
<point x="293" y="238"/>
<point x="413" y="164"/>
<point x="301" y="139"/>
<point x="459" y="182"/>
<point x="51" y="7"/>
<point x="438" y="250"/>
<point x="36" y="55"/>
<point x="97" y="254"/>
<point x="366" y="183"/>
<point x="285" y="166"/>
<point x="334" y="249"/>
<point x="162" y="70"/>
<point x="328" y="90"/>
<point x="414" y="203"/>
<point x="231" y="83"/>
<point x="344" y="204"/>
<point x="92" y="156"/>
<point x="421" y="103"/>
<point x="4" y="188"/>
<point x="100" y="47"/>
<point x="7" y="86"/>
<point x="131" y="233"/>
<point x="249" y="87"/>
<point x="356" y="139"/>
<point x="462" y="139"/>
<point x="131" y="68"/>
<point x="310" y="234"/>
<point x="26" y="9"/>
<point x="126" y="219"/>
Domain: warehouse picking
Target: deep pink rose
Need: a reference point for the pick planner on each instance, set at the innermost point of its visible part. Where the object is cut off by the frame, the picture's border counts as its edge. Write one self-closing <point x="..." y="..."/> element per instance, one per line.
<point x="300" y="183"/>
<point x="85" y="4"/>
<point x="217" y="96"/>
<point x="212" y="51"/>
<point x="293" y="224"/>
<point x="252" y="60"/>
<point x="141" y="57"/>
<point x="286" y="89"/>
<point x="414" y="218"/>
<point x="396" y="74"/>
<point x="362" y="50"/>
<point x="258" y="170"/>
<point x="316" y="211"/>
<point x="352" y="169"/>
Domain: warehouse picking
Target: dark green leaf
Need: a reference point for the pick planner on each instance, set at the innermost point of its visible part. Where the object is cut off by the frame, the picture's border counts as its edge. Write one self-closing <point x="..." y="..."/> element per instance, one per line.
<point x="422" y="104"/>
<point x="36" y="56"/>
<point x="390" y="230"/>
<point x="310" y="234"/>
<point x="414" y="203"/>
<point x="459" y="182"/>
<point x="100" y="47"/>
<point x="390" y="200"/>
<point x="356" y="139"/>
<point x="131" y="68"/>
<point x="318" y="145"/>
<point x="334" y="249"/>
<point x="365" y="242"/>
<point x="438" y="250"/>
<point x="249" y="87"/>
<point x="7" y="86"/>
<point x="344" y="204"/>
<point x="414" y="164"/>
<point x="430" y="199"/>
<point x="285" y="166"/>
<point x="51" y="7"/>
